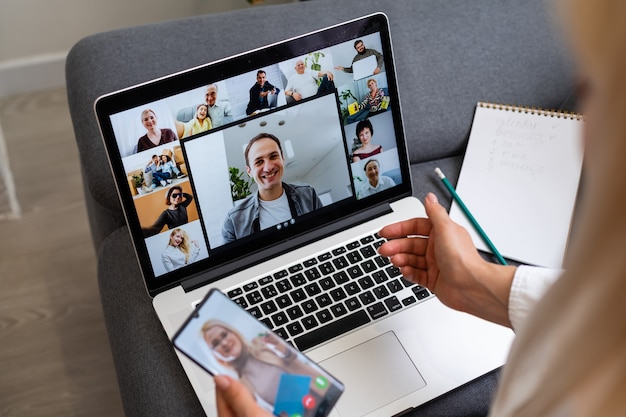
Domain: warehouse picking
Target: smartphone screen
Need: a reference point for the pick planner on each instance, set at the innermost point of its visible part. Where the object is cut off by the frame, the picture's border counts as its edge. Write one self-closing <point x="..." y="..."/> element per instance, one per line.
<point x="223" y="338"/>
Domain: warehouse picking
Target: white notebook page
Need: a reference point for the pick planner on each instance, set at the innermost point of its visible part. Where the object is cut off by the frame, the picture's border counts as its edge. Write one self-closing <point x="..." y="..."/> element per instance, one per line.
<point x="519" y="178"/>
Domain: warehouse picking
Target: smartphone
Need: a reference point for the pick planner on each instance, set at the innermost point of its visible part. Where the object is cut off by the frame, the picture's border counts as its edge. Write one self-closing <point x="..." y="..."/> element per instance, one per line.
<point x="223" y="338"/>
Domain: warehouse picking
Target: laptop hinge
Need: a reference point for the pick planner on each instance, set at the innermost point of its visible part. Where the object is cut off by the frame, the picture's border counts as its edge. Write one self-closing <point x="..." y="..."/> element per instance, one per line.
<point x="251" y="259"/>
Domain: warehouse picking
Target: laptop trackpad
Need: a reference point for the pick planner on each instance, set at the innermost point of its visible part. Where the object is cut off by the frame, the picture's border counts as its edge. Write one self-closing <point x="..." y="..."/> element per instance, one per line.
<point x="375" y="373"/>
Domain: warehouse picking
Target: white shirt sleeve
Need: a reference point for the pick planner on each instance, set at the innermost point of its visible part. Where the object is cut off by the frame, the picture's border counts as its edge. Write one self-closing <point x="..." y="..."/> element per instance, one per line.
<point x="529" y="284"/>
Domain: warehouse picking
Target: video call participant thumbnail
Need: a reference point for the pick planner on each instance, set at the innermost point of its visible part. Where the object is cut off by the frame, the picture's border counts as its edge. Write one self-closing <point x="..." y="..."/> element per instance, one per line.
<point x="276" y="201"/>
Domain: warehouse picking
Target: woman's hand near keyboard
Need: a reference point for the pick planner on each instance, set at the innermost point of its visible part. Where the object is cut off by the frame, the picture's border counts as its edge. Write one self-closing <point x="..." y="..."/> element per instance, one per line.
<point x="437" y="253"/>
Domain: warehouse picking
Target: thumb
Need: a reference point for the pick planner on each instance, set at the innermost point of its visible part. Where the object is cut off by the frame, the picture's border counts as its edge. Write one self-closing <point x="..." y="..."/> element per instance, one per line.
<point x="435" y="211"/>
<point x="234" y="399"/>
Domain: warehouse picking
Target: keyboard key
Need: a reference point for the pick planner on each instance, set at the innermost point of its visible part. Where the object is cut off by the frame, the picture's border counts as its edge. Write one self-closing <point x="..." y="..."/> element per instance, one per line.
<point x="254" y="297"/>
<point x="340" y="262"/>
<point x="326" y="283"/>
<point x="266" y="322"/>
<point x="297" y="280"/>
<point x="250" y="286"/>
<point x="355" y="271"/>
<point x="312" y="274"/>
<point x="338" y="310"/>
<point x="331" y="330"/>
<point x="421" y="293"/>
<point x="269" y="291"/>
<point x="265" y="280"/>
<point x="393" y="271"/>
<point x="324" y="257"/>
<point x="395" y="285"/>
<point x="367" y="239"/>
<point x="310" y="262"/>
<point x="379" y="277"/>
<point x="283" y="285"/>
<point x="366" y="282"/>
<point x="352" y="288"/>
<point x="337" y="294"/>
<point x="339" y="251"/>
<point x="309" y="306"/>
<point x="377" y="310"/>
<point x="279" y="319"/>
<point x="294" y="312"/>
<point x="327" y="268"/>
<point x="313" y="289"/>
<point x="368" y="251"/>
<point x="409" y="300"/>
<point x="382" y="261"/>
<point x="369" y="266"/>
<point x="234" y="293"/>
<point x="381" y="292"/>
<point x="354" y="257"/>
<point x="324" y="316"/>
<point x="294" y="328"/>
<point x="393" y="304"/>
<point x="323" y="300"/>
<point x="269" y="307"/>
<point x="295" y="268"/>
<point x="353" y="303"/>
<point x="367" y="297"/>
<point x="280" y="274"/>
<point x="298" y="295"/>
<point x="255" y="312"/>
<point x="283" y="301"/>
<point x="341" y="277"/>
<point x="309" y="322"/>
<point x="353" y="245"/>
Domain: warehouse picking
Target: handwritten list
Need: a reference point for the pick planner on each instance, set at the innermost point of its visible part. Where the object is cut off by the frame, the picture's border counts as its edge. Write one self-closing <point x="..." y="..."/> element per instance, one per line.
<point x="520" y="179"/>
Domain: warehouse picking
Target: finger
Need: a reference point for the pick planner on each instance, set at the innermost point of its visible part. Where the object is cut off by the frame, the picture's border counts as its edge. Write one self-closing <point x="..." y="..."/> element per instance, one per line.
<point x="408" y="259"/>
<point x="436" y="212"/>
<point x="414" y="245"/>
<point x="413" y="227"/>
<point x="234" y="399"/>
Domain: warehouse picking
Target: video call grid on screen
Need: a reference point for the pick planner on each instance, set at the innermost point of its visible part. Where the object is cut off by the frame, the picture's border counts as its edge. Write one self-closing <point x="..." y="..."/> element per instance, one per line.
<point x="318" y="137"/>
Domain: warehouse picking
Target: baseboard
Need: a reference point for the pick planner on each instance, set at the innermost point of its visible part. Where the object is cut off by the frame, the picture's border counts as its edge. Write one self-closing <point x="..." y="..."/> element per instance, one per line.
<point x="39" y="72"/>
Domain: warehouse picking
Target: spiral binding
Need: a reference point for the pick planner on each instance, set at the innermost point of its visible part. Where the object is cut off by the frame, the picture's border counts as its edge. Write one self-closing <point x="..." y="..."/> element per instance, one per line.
<point x="532" y="110"/>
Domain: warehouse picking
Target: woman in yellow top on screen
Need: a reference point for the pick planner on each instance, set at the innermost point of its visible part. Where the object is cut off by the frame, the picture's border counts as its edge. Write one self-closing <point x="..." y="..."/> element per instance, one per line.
<point x="200" y="123"/>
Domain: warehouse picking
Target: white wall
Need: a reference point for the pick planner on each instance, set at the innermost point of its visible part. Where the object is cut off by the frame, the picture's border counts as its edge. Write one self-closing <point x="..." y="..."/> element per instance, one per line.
<point x="35" y="35"/>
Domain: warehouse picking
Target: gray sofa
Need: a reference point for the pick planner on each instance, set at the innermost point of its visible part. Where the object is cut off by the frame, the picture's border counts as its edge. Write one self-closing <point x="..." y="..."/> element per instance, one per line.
<point x="449" y="55"/>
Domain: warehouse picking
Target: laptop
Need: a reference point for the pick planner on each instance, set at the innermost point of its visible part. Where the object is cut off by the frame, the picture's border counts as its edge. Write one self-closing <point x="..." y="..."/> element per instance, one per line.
<point x="280" y="209"/>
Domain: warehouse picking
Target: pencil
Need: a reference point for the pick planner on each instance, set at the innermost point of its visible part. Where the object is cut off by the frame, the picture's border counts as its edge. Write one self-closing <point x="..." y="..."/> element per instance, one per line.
<point x="470" y="217"/>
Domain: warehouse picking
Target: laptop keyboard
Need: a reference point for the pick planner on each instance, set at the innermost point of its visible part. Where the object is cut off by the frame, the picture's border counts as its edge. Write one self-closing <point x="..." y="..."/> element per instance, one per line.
<point x="328" y="295"/>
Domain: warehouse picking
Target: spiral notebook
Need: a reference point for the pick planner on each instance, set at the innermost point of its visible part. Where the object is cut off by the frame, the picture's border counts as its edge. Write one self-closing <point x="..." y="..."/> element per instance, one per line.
<point x="520" y="178"/>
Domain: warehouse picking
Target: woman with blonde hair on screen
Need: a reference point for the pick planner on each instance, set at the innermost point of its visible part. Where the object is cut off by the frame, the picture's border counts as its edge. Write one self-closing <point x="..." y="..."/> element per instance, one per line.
<point x="181" y="250"/>
<point x="569" y="355"/>
<point x="260" y="363"/>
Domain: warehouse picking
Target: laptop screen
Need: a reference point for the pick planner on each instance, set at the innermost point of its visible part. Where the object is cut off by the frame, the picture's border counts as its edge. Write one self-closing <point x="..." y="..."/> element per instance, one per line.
<point x="250" y="154"/>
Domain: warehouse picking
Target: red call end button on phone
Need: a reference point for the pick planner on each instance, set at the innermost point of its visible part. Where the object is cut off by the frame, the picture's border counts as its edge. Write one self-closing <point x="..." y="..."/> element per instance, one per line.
<point x="308" y="401"/>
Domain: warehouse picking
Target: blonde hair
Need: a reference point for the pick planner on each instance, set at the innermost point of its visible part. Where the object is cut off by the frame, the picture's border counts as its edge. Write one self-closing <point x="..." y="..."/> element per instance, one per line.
<point x="184" y="244"/>
<point x="570" y="356"/>
<point x="146" y="111"/>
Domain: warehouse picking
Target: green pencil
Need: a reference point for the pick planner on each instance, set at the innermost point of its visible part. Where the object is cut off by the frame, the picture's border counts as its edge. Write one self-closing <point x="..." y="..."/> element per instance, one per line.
<point x="470" y="217"/>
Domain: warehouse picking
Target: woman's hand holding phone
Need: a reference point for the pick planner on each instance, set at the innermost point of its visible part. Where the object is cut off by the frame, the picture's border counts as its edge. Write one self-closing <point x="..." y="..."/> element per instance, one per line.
<point x="233" y="399"/>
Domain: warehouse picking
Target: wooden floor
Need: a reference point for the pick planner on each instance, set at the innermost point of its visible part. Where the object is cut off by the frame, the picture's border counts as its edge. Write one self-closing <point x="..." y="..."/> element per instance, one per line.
<point x="55" y="358"/>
